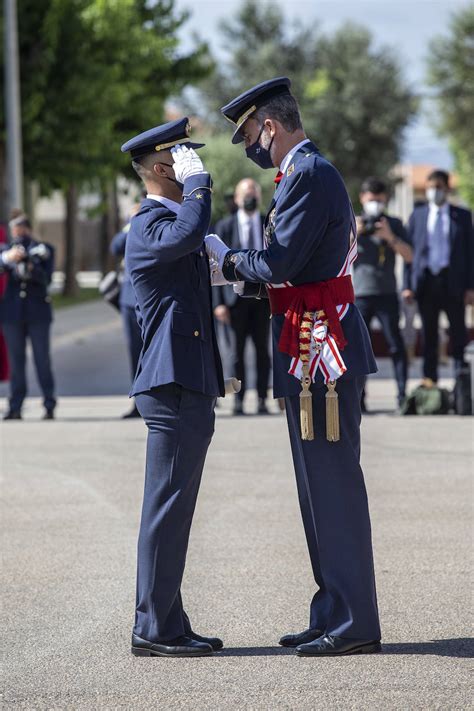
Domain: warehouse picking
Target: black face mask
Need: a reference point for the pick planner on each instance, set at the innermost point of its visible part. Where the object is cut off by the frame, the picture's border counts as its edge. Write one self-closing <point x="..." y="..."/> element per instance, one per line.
<point x="260" y="155"/>
<point x="173" y="180"/>
<point x="250" y="203"/>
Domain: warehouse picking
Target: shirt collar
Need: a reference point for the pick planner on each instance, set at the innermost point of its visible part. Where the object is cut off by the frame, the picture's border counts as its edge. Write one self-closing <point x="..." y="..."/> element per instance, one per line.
<point x="444" y="209"/>
<point x="244" y="217"/>
<point x="289" y="156"/>
<point x="170" y="204"/>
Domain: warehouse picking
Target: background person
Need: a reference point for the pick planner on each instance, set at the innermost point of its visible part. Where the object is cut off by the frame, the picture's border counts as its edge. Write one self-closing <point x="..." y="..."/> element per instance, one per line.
<point x="441" y="276"/>
<point x="127" y="303"/>
<point x="249" y="318"/>
<point x="379" y="238"/>
<point x="26" y="313"/>
<point x="4" y="368"/>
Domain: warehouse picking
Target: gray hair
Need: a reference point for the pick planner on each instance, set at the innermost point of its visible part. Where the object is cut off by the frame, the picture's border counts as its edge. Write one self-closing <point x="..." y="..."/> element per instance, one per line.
<point x="282" y="108"/>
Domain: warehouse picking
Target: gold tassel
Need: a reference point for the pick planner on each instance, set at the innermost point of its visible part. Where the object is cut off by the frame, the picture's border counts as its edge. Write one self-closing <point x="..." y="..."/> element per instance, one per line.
<point x="306" y="405"/>
<point x="306" y="399"/>
<point x="332" y="413"/>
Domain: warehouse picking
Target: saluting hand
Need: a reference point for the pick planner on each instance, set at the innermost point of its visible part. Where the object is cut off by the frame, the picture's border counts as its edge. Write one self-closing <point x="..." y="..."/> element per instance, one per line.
<point x="186" y="163"/>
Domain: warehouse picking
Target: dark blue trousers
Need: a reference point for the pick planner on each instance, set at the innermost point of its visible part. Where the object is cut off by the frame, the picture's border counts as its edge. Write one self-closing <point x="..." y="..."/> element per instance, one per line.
<point x="334" y="507"/>
<point x="180" y="427"/>
<point x="387" y="309"/>
<point x="133" y="336"/>
<point x="16" y="335"/>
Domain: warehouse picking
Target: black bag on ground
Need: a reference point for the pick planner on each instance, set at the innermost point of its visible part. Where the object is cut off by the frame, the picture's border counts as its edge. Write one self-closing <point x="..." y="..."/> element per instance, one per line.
<point x="462" y="393"/>
<point x="425" y="400"/>
<point x="109" y="288"/>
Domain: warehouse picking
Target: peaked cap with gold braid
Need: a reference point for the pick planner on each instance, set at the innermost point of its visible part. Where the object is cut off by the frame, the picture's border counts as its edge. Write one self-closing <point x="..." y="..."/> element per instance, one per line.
<point x="160" y="138"/>
<point x="243" y="106"/>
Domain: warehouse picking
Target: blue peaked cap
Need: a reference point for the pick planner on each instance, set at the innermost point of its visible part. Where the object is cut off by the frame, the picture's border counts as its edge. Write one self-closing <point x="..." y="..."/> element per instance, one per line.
<point x="160" y="138"/>
<point x="241" y="108"/>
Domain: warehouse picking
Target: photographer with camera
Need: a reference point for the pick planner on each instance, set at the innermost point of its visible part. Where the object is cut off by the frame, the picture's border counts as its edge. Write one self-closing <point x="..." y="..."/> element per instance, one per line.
<point x="379" y="238"/>
<point x="25" y="312"/>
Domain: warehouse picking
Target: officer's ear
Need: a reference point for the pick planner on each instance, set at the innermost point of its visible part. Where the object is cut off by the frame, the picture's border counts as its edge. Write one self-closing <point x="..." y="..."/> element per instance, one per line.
<point x="271" y="126"/>
<point x="158" y="170"/>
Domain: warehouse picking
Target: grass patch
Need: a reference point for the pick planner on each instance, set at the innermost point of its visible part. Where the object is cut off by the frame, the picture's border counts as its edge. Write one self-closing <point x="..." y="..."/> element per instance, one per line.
<point x="83" y="295"/>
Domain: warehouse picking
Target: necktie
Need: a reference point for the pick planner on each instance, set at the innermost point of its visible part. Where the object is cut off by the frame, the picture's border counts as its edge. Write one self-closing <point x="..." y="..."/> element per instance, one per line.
<point x="251" y="236"/>
<point x="278" y="177"/>
<point x="437" y="245"/>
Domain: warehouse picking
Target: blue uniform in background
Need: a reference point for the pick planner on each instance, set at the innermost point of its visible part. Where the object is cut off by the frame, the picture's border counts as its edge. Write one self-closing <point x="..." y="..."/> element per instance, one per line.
<point x="26" y="313"/>
<point x="308" y="229"/>
<point x="178" y="379"/>
<point x="127" y="303"/>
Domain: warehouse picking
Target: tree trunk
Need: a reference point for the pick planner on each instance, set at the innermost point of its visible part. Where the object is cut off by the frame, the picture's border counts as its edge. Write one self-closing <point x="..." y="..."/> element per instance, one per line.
<point x="110" y="224"/>
<point x="70" y="287"/>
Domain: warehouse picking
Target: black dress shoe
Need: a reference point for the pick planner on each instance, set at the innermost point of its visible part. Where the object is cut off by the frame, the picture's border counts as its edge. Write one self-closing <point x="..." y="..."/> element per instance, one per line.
<point x="179" y="647"/>
<point x="12" y="415"/>
<point x="48" y="415"/>
<point x="214" y="642"/>
<point x="293" y="640"/>
<point x="130" y="415"/>
<point x="329" y="646"/>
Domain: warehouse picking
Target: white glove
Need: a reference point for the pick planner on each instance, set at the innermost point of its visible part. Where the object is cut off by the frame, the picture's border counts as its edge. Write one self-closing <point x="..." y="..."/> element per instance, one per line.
<point x="239" y="287"/>
<point x="217" y="278"/>
<point x="13" y="255"/>
<point x="216" y="249"/>
<point x="186" y="163"/>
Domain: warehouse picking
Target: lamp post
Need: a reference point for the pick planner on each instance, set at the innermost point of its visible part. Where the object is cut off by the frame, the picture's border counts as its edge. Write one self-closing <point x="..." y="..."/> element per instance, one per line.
<point x="14" y="158"/>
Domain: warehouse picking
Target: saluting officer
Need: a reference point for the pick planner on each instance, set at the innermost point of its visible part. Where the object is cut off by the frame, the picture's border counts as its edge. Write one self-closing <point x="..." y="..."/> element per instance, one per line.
<point x="319" y="337"/>
<point x="178" y="379"/>
<point x="25" y="313"/>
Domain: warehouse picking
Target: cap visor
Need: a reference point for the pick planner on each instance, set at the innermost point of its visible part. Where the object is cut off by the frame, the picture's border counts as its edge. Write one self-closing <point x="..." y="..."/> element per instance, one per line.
<point x="237" y="137"/>
<point x="193" y="145"/>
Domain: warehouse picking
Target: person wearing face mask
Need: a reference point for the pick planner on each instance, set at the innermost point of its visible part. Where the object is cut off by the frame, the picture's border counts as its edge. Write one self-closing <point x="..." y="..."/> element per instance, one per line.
<point x="379" y="238"/>
<point x="441" y="276"/>
<point x="26" y="313"/>
<point x="178" y="378"/>
<point x="321" y="356"/>
<point x="127" y="305"/>
<point x="247" y="317"/>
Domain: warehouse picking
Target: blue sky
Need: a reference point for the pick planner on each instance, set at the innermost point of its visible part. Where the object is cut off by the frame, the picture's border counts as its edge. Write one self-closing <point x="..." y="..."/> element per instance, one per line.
<point x="406" y="25"/>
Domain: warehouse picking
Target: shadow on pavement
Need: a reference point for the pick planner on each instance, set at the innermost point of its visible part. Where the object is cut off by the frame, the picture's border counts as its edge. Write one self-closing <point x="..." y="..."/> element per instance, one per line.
<point x="462" y="647"/>
<point x="255" y="651"/>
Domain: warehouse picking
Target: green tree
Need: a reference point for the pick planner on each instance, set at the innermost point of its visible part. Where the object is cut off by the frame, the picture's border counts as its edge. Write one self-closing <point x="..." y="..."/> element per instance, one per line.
<point x="451" y="73"/>
<point x="354" y="101"/>
<point x="93" y="73"/>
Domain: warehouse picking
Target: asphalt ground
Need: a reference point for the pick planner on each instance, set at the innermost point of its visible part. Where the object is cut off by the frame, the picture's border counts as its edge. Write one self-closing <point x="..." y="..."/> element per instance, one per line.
<point x="71" y="497"/>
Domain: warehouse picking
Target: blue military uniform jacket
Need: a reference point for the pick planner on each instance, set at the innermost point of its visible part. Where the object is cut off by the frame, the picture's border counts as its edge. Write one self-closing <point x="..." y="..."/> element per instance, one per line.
<point x="169" y="269"/>
<point x="26" y="298"/>
<point x="117" y="248"/>
<point x="308" y="229"/>
<point x="461" y="262"/>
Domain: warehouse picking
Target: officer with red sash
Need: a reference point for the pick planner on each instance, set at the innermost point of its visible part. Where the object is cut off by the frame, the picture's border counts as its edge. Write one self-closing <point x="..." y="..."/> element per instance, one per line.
<point x="322" y="352"/>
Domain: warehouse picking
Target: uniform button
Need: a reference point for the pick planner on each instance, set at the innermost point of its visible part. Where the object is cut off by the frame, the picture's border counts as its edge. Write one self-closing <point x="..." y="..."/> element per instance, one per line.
<point x="201" y="254"/>
<point x="22" y="294"/>
<point x="196" y="333"/>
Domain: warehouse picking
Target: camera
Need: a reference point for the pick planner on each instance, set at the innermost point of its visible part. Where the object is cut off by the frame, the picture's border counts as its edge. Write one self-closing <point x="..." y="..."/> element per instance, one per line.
<point x="369" y="223"/>
<point x="36" y="255"/>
